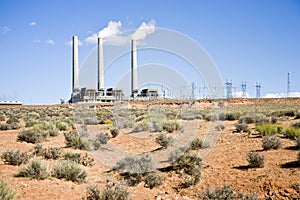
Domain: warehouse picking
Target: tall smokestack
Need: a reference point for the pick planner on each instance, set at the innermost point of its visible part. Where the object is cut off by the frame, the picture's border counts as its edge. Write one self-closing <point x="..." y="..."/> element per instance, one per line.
<point x="134" y="88"/>
<point x="75" y="84"/>
<point x="100" y="65"/>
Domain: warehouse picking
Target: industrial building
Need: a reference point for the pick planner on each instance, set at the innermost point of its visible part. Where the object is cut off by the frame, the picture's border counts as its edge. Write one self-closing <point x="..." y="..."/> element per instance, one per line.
<point x="92" y="95"/>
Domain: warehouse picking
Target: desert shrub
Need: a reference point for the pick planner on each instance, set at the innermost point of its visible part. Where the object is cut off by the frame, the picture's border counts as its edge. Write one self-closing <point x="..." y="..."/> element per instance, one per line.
<point x="296" y="125"/>
<point x="291" y="132"/>
<point x="143" y="125"/>
<point x="4" y="127"/>
<point x="187" y="180"/>
<point x="254" y="118"/>
<point x="69" y="171"/>
<point x="101" y="138"/>
<point x="287" y="113"/>
<point x="241" y="127"/>
<point x="12" y="120"/>
<point x="226" y="192"/>
<point x="231" y="116"/>
<point x="297" y="115"/>
<point x="35" y="169"/>
<point x="114" y="132"/>
<point x="32" y="135"/>
<point x="62" y="126"/>
<point x="157" y="125"/>
<point x="15" y="125"/>
<point x="52" y="153"/>
<point x="298" y="143"/>
<point x="189" y="163"/>
<point x="268" y="129"/>
<point x="5" y="192"/>
<point x="53" y="132"/>
<point x="152" y="180"/>
<point x="2" y="117"/>
<point x="15" y="157"/>
<point x="175" y="154"/>
<point x="31" y="122"/>
<point x="211" y="116"/>
<point x="86" y="160"/>
<point x="272" y="142"/>
<point x="114" y="191"/>
<point x="75" y="140"/>
<point x="38" y="150"/>
<point x="198" y="143"/>
<point x="255" y="160"/>
<point x="171" y="125"/>
<point x="90" y="121"/>
<point x="136" y="164"/>
<point x="220" y="127"/>
<point x="164" y="140"/>
<point x="92" y="193"/>
<point x="72" y="156"/>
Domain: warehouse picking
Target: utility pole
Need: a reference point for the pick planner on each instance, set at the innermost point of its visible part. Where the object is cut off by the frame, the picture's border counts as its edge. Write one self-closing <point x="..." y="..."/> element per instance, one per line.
<point x="257" y="88"/>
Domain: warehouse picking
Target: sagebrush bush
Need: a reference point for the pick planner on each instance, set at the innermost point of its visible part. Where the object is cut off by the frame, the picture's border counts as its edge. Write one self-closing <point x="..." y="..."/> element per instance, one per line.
<point x="15" y="157"/>
<point x="52" y="153"/>
<point x="285" y="112"/>
<point x="291" y="132"/>
<point x="164" y="140"/>
<point x="255" y="160"/>
<point x="2" y="117"/>
<point x="114" y="191"/>
<point x="198" y="143"/>
<point x="33" y="135"/>
<point x="72" y="156"/>
<point x="76" y="141"/>
<point x="143" y="125"/>
<point x="35" y="169"/>
<point x="38" y="150"/>
<point x="268" y="129"/>
<point x="6" y="193"/>
<point x="187" y="180"/>
<point x="153" y="180"/>
<point x="69" y="171"/>
<point x="189" y="163"/>
<point x="5" y="127"/>
<point x="15" y="125"/>
<point x="175" y="154"/>
<point x="136" y="164"/>
<point x="272" y="142"/>
<point x="171" y="126"/>
<point x="226" y="192"/>
<point x="241" y="127"/>
<point x="101" y="138"/>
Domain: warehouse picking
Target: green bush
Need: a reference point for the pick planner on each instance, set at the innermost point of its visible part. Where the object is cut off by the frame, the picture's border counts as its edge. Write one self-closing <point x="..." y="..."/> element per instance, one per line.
<point x="286" y="112"/>
<point x="33" y="135"/>
<point x="171" y="126"/>
<point x="255" y="160"/>
<point x="38" y="150"/>
<point x="72" y="156"/>
<point x="153" y="180"/>
<point x="35" y="169"/>
<point x="15" y="125"/>
<point x="164" y="140"/>
<point x="69" y="171"/>
<point x="5" y="192"/>
<point x="15" y="157"/>
<point x="291" y="132"/>
<point x="2" y="118"/>
<point x="143" y="125"/>
<point x="272" y="142"/>
<point x="52" y="153"/>
<point x="268" y="129"/>
<point x="198" y="143"/>
<point x="174" y="155"/>
<point x="5" y="127"/>
<point x="226" y="192"/>
<point x="187" y="180"/>
<point x="189" y="163"/>
<point x="112" y="191"/>
<point x="75" y="140"/>
<point x="101" y="139"/>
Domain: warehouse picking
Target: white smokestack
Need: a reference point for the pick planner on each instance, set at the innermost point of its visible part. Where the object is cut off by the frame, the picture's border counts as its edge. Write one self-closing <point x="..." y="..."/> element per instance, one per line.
<point x="75" y="83"/>
<point x="134" y="87"/>
<point x="100" y="65"/>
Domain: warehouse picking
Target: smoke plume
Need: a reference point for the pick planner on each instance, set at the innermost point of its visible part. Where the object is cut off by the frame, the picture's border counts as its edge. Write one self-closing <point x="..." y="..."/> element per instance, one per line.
<point x="144" y="30"/>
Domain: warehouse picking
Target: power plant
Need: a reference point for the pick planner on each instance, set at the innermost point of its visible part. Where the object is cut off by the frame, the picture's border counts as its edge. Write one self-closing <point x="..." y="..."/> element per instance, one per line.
<point x="92" y="95"/>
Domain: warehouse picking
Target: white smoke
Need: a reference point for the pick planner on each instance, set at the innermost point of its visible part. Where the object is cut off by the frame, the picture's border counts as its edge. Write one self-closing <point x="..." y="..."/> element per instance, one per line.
<point x="112" y="29"/>
<point x="144" y="30"/>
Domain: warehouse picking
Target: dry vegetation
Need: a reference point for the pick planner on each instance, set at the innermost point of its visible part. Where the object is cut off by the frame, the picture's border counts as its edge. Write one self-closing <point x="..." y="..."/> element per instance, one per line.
<point x="240" y="149"/>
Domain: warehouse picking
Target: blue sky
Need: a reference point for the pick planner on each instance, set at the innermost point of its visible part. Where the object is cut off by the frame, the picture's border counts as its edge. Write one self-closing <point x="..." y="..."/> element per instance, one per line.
<point x="252" y="41"/>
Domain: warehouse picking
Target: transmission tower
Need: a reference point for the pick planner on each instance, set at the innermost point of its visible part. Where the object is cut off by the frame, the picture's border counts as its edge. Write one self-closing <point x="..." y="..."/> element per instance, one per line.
<point x="228" y="86"/>
<point x="193" y="90"/>
<point x="288" y="86"/>
<point x="244" y="87"/>
<point x="257" y="88"/>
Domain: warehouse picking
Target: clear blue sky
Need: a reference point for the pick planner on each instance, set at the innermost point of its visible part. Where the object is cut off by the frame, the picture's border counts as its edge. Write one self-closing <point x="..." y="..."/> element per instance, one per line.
<point x="255" y="40"/>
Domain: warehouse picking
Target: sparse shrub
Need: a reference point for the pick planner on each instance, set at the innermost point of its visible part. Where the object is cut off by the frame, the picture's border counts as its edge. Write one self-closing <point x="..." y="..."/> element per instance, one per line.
<point x="32" y="135"/>
<point x="5" y="192"/>
<point x="220" y="127"/>
<point x="198" y="143"/>
<point x="15" y="125"/>
<point x="226" y="192"/>
<point x="114" y="132"/>
<point x="136" y="165"/>
<point x="257" y="118"/>
<point x="90" y="121"/>
<point x="157" y="125"/>
<point x="211" y="116"/>
<point x="189" y="180"/>
<point x="12" y="120"/>
<point x="53" y="132"/>
<point x="101" y="138"/>
<point x="76" y="141"/>
<point x="30" y="123"/>
<point x="62" y="126"/>
<point x="241" y="127"/>
<point x="4" y="127"/>
<point x="35" y="169"/>
<point x="287" y="113"/>
<point x="69" y="171"/>
<point x="114" y="191"/>
<point x="297" y="115"/>
<point x="291" y="132"/>
<point x="164" y="140"/>
<point x="15" y="157"/>
<point x="268" y="129"/>
<point x="152" y="180"/>
<point x="72" y="156"/>
<point x="255" y="160"/>
<point x="231" y="116"/>
<point x="296" y="125"/>
<point x="2" y="117"/>
<point x="171" y="125"/>
<point x="272" y="142"/>
<point x="52" y="153"/>
<point x="143" y="125"/>
<point x="93" y="193"/>
<point x="86" y="160"/>
<point x="298" y="143"/>
<point x="189" y="163"/>
<point x="174" y="155"/>
<point x="38" y="150"/>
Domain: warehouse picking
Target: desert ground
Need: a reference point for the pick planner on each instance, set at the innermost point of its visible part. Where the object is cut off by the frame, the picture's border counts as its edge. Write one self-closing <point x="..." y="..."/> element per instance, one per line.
<point x="223" y="153"/>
